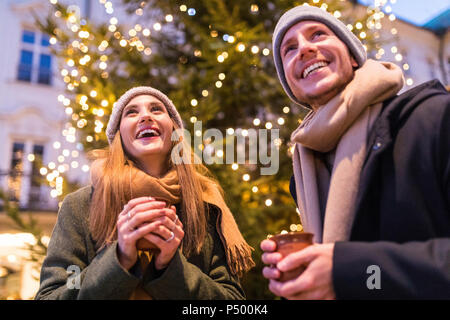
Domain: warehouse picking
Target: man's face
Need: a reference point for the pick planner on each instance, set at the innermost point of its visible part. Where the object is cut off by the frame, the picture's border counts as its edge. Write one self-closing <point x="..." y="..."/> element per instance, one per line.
<point x="317" y="64"/>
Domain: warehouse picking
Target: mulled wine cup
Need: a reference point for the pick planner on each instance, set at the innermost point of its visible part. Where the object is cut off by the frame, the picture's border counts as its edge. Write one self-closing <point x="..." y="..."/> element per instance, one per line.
<point x="288" y="243"/>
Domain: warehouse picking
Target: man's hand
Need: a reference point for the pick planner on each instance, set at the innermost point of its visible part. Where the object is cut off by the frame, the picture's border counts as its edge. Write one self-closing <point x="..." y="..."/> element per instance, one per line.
<point x="315" y="283"/>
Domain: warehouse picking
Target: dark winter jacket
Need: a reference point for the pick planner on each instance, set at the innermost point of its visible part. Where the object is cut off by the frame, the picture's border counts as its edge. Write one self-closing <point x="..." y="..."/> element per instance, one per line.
<point x="402" y="221"/>
<point x="201" y="276"/>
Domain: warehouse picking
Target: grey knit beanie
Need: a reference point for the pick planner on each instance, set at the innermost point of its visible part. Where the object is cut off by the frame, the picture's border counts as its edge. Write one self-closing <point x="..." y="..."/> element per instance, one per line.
<point x="303" y="13"/>
<point x="116" y="115"/>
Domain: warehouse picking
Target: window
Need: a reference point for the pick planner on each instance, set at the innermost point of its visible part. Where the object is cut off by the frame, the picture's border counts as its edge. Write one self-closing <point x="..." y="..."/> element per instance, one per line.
<point x="45" y="71"/>
<point x="45" y="40"/>
<point x="16" y="170"/>
<point x="25" y="179"/>
<point x="26" y="65"/>
<point x="36" y="177"/>
<point x="35" y="64"/>
<point x="28" y="36"/>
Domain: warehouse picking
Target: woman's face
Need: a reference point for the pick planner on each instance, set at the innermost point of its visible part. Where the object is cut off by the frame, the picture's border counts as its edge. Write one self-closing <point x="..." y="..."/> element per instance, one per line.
<point x="146" y="130"/>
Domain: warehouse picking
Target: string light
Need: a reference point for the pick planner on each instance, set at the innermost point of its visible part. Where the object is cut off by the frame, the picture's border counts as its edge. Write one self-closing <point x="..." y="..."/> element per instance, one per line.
<point x="157" y="26"/>
<point x="146" y="32"/>
<point x="240" y="47"/>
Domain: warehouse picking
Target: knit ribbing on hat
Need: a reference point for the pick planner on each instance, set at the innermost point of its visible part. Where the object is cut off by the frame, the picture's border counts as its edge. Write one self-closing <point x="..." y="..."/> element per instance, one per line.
<point x="114" y="119"/>
<point x="305" y="13"/>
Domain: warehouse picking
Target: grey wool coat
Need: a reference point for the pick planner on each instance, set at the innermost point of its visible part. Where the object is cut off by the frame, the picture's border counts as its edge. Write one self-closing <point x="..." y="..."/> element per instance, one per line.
<point x="204" y="276"/>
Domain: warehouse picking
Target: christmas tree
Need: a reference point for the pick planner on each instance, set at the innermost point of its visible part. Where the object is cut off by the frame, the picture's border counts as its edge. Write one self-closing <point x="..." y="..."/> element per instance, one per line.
<point x="213" y="59"/>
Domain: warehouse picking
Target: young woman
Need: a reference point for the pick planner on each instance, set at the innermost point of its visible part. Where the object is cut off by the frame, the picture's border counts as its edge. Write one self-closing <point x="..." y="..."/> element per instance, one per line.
<point x="150" y="226"/>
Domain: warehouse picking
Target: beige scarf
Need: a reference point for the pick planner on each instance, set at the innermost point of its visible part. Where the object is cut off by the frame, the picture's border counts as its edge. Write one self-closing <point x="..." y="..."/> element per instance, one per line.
<point x="339" y="128"/>
<point x="238" y="252"/>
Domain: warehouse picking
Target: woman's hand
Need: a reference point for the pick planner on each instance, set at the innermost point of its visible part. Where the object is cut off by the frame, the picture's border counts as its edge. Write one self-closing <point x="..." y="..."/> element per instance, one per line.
<point x="138" y="218"/>
<point x="171" y="230"/>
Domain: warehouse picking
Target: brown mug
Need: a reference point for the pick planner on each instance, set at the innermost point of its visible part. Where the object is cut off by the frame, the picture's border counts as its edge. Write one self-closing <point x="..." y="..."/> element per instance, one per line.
<point x="144" y="244"/>
<point x="288" y="243"/>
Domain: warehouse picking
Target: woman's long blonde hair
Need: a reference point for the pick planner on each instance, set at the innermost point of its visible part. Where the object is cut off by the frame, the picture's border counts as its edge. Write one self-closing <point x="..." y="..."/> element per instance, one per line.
<point x="114" y="191"/>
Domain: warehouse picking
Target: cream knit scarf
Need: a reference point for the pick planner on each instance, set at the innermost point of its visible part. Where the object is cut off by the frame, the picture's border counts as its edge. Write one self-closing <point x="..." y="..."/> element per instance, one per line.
<point x="339" y="128"/>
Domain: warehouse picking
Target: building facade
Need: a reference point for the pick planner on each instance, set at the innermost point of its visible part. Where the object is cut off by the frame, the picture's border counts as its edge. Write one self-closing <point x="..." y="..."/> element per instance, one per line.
<point x="31" y="117"/>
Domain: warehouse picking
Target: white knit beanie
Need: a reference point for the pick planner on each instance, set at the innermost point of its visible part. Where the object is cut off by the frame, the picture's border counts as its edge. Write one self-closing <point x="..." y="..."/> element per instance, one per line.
<point x="304" y="13"/>
<point x="116" y="115"/>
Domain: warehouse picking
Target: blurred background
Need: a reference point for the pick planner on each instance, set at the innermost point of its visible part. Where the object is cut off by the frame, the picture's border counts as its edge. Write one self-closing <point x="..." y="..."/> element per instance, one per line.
<point x="65" y="62"/>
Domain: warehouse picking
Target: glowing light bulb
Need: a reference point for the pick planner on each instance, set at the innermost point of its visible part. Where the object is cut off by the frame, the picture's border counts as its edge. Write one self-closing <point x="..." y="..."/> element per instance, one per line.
<point x="146" y="32"/>
<point x="240" y="47"/>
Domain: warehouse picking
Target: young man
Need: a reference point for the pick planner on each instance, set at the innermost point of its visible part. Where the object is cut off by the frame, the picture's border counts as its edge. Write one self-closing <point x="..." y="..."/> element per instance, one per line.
<point x="371" y="170"/>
